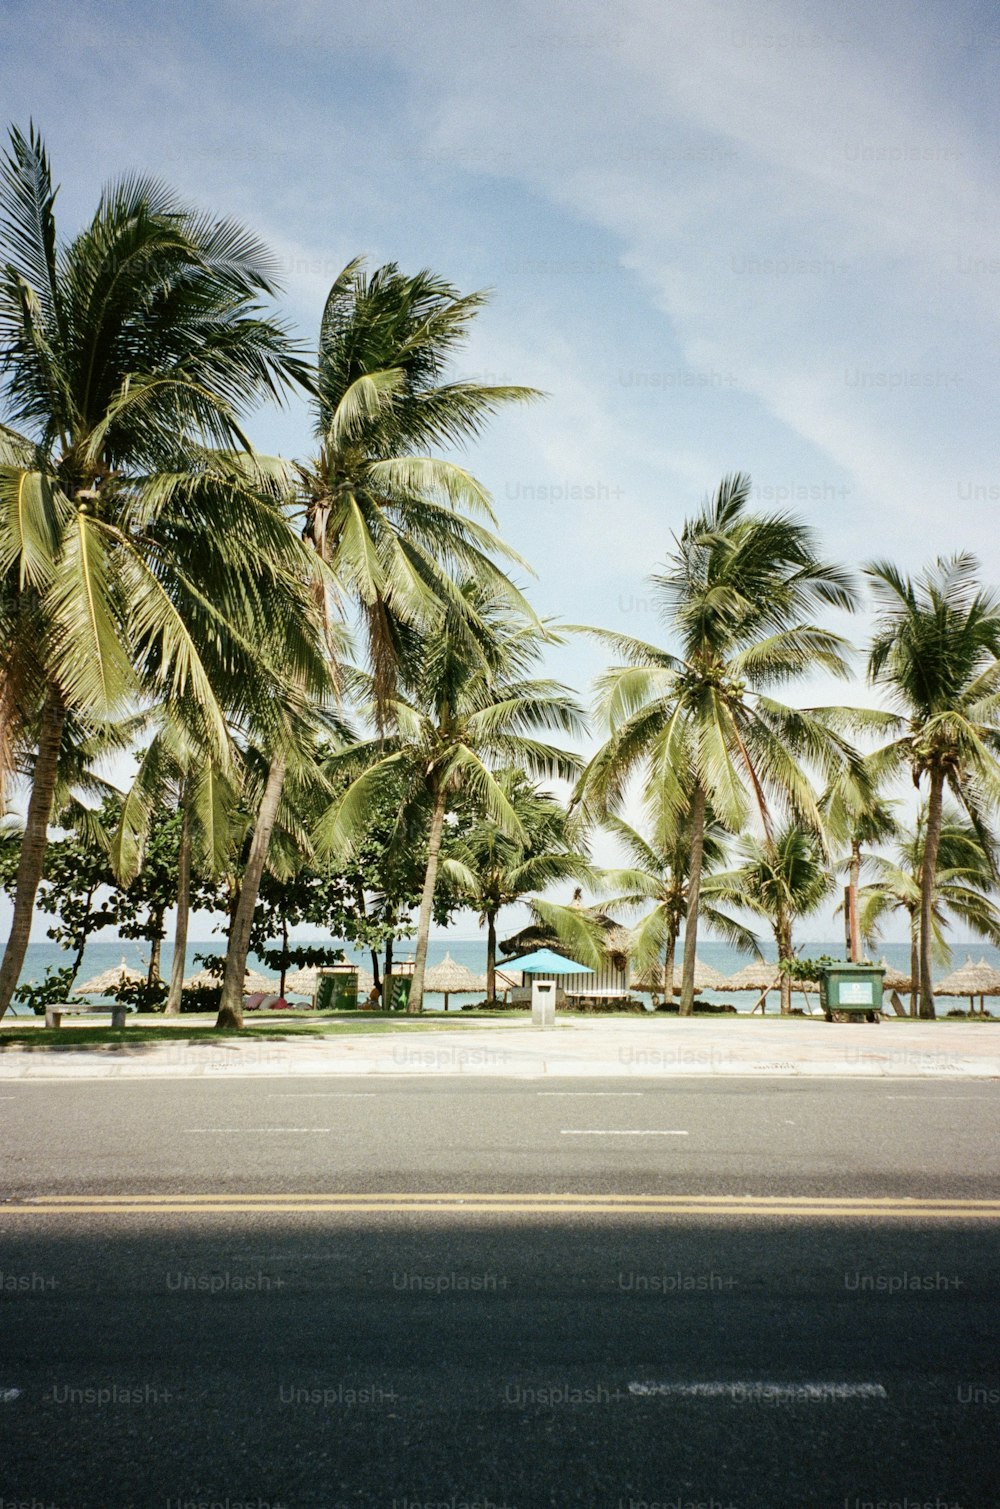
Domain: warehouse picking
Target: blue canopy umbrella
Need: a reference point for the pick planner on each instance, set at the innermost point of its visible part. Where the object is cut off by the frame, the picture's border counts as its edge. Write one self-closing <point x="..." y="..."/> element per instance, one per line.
<point x="545" y="961"/>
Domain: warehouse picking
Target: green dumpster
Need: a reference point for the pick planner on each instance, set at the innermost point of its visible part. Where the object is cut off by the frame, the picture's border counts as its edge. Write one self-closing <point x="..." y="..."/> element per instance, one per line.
<point x="851" y="990"/>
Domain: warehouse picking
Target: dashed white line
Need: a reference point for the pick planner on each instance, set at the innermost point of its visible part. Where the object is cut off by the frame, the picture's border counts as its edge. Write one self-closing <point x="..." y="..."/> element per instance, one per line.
<point x="8" y="1395"/>
<point x="323" y="1095"/>
<point x="752" y="1389"/>
<point x="246" y="1131"/>
<point x="596" y="1094"/>
<point x="601" y="1132"/>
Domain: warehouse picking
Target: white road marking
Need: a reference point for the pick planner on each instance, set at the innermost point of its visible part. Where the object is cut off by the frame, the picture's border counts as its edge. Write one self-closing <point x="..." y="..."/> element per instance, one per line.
<point x="246" y="1130"/>
<point x="8" y="1395"/>
<point x="757" y="1389"/>
<point x="322" y="1095"/>
<point x="599" y="1132"/>
<point x="597" y="1094"/>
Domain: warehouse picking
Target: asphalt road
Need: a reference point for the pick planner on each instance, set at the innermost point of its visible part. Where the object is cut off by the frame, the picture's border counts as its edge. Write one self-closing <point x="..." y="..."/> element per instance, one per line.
<point x="743" y="1353"/>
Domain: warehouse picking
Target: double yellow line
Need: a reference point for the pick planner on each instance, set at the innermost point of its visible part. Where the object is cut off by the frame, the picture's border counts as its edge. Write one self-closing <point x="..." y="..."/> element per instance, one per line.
<point x="877" y="1208"/>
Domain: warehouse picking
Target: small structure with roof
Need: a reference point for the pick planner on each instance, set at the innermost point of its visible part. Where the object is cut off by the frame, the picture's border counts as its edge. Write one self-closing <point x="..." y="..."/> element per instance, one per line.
<point x="451" y="978"/>
<point x="971" y="980"/>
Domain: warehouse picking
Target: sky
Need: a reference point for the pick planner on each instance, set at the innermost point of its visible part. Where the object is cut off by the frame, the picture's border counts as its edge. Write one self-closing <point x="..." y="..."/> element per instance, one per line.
<point x="721" y="236"/>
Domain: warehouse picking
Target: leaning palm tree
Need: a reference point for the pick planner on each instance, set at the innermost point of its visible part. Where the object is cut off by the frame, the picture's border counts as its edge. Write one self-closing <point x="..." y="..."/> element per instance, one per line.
<point x="963" y="889"/>
<point x="936" y="650"/>
<point x="737" y="593"/>
<point x="470" y="710"/>
<point x="133" y="518"/>
<point x="780" y="879"/>
<point x="397" y="523"/>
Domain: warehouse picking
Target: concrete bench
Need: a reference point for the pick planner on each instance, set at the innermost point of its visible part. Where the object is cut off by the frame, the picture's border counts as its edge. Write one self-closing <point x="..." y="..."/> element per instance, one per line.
<point x="55" y="1014"/>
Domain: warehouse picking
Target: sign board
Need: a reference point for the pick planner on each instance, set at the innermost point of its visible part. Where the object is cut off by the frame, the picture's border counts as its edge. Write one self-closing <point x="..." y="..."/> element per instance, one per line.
<point x="855" y="993"/>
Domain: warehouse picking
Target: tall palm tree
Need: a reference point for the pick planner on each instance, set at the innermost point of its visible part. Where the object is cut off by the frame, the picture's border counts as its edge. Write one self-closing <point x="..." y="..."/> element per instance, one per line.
<point x="495" y="868"/>
<point x="963" y="889"/>
<point x="656" y="882"/>
<point x="935" y="649"/>
<point x="737" y="593"/>
<point x="133" y="519"/>
<point x="468" y="710"/>
<point x="398" y="524"/>
<point x="780" y="879"/>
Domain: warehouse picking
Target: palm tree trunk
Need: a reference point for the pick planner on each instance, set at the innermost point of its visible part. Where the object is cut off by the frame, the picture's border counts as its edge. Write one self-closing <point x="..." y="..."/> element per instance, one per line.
<point x="783" y="938"/>
<point x="914" y="966"/>
<point x="669" y="956"/>
<point x="231" y="1000"/>
<point x="416" y="999"/>
<point x="284" y="956"/>
<point x="928" y="877"/>
<point x="33" y="842"/>
<point x="153" y="972"/>
<point x="694" y="896"/>
<point x="852" y="888"/>
<point x="387" y="976"/>
<point x="179" y="963"/>
<point x="491" y="956"/>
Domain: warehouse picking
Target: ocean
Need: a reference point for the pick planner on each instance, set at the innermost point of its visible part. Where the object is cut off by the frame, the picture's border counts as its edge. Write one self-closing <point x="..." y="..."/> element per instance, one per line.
<point x="102" y="955"/>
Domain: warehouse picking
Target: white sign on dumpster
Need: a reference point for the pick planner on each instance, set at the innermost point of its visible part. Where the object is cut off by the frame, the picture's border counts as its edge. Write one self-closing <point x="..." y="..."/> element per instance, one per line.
<point x="543" y="1003"/>
<point x="857" y="993"/>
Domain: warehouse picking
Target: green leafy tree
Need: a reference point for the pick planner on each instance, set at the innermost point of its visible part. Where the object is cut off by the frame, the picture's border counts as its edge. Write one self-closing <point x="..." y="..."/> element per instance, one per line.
<point x="857" y="814"/>
<point x="397" y="523"/>
<point x="781" y="879"/>
<point x="134" y="521"/>
<point x="963" y="888"/>
<point x="656" y="882"/>
<point x="494" y="868"/>
<point x="934" y="650"/>
<point x="471" y="711"/>
<point x="737" y="592"/>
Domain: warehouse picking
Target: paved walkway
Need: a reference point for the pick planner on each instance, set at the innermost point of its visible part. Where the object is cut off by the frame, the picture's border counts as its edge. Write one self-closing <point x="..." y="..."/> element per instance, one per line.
<point x="623" y="1048"/>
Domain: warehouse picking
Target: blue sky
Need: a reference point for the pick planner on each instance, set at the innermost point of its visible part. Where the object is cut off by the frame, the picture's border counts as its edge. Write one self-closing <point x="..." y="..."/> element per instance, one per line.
<point x="721" y="235"/>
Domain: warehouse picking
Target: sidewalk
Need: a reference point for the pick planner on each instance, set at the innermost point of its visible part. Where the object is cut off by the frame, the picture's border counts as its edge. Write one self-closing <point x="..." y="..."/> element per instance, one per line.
<point x="575" y="1048"/>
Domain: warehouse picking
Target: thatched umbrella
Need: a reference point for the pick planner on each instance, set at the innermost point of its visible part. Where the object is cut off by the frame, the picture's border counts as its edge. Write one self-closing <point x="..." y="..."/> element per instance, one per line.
<point x="971" y="980"/>
<point x="894" y="979"/>
<point x="110" y="979"/>
<point x="449" y="978"/>
<point x="254" y="983"/>
<point x="302" y="982"/>
<point x="705" y="978"/>
<point x="757" y="975"/>
<point x="762" y="977"/>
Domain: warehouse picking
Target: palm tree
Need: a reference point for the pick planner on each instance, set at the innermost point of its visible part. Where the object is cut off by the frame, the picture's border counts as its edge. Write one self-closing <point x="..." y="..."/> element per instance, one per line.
<point x="736" y="591"/>
<point x="495" y="868"/>
<point x="397" y="524"/>
<point x="133" y="519"/>
<point x="962" y="889"/>
<point x="935" y="649"/>
<point x="175" y="774"/>
<point x="781" y="879"/>
<point x="857" y="814"/>
<point x="658" y="872"/>
<point x="470" y="711"/>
